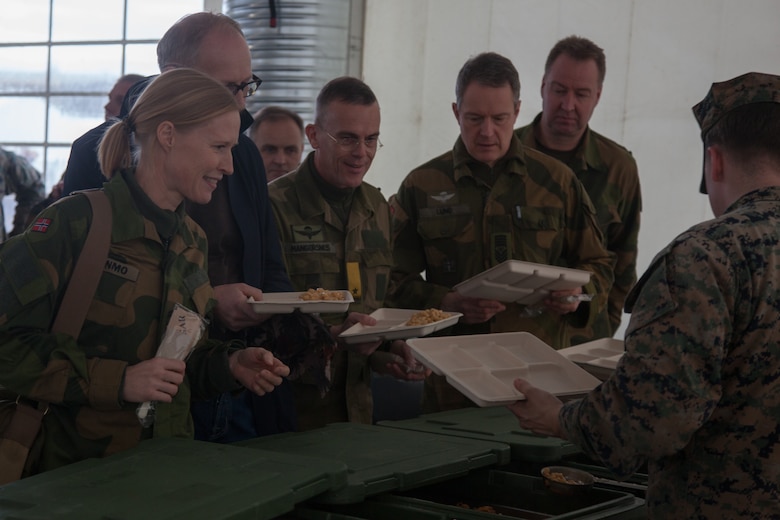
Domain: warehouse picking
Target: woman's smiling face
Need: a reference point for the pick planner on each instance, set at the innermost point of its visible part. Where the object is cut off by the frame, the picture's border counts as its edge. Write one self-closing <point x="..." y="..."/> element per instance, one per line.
<point x="200" y="157"/>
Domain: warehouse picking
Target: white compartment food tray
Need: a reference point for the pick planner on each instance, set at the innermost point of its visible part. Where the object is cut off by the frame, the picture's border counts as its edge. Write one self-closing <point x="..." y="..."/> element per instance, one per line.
<point x="521" y="282"/>
<point x="287" y="302"/>
<point x="391" y="324"/>
<point x="483" y="366"/>
<point x="599" y="357"/>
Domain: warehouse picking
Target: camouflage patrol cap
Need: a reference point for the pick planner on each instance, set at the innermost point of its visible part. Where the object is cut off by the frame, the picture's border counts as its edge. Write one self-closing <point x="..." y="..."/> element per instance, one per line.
<point x="723" y="97"/>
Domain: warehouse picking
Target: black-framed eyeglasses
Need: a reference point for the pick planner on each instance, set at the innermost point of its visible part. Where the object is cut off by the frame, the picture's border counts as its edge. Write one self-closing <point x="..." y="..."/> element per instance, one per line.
<point x="350" y="142"/>
<point x="249" y="88"/>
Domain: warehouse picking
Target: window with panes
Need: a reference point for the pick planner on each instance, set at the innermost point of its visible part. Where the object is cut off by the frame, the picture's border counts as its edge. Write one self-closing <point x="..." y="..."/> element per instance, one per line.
<point x="58" y="61"/>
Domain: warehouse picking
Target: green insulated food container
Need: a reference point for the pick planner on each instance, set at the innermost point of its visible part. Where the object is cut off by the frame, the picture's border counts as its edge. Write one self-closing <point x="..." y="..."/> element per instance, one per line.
<point x="173" y="479"/>
<point x="491" y="424"/>
<point x="383" y="459"/>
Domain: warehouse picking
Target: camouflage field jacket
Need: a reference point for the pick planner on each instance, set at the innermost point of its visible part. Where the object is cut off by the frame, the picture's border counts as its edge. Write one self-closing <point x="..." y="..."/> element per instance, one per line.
<point x="320" y="251"/>
<point x="609" y="174"/>
<point x="143" y="278"/>
<point x="452" y="226"/>
<point x="697" y="392"/>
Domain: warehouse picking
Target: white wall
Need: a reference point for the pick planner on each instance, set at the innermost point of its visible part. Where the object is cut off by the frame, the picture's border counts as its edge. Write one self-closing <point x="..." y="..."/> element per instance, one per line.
<point x="662" y="56"/>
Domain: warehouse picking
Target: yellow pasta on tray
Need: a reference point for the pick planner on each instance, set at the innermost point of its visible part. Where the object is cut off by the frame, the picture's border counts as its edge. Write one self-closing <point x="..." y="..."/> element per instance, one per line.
<point x="322" y="294"/>
<point x="400" y="324"/>
<point x="427" y="316"/>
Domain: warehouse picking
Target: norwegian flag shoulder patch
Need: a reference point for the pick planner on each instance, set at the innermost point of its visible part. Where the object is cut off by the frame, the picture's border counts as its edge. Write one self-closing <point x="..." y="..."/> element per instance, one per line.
<point x="41" y="225"/>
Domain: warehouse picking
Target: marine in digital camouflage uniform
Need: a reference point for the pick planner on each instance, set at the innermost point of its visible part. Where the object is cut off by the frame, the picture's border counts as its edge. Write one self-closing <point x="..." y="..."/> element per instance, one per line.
<point x="456" y="216"/>
<point x="124" y="325"/>
<point x="609" y="174"/>
<point x="17" y="176"/>
<point x="335" y="239"/>
<point x="697" y="391"/>
<point x="571" y="89"/>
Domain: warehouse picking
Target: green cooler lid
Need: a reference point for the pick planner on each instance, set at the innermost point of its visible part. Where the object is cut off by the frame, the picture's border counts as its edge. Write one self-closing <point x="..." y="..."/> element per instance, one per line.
<point x="493" y="424"/>
<point x="173" y="479"/>
<point x="385" y="459"/>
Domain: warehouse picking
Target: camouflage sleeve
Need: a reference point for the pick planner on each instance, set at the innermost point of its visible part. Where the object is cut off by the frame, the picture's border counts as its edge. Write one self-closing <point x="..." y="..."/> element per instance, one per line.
<point x="26" y="182"/>
<point x="585" y="250"/>
<point x="34" y="268"/>
<point x="668" y="382"/>
<point x="407" y="288"/>
<point x="623" y="241"/>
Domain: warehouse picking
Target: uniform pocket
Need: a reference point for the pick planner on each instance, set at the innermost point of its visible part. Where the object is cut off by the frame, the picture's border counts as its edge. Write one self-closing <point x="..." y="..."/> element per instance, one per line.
<point x="376" y="266"/>
<point x="449" y="237"/>
<point x="113" y="295"/>
<point x="608" y="216"/>
<point x="441" y="223"/>
<point x="312" y="265"/>
<point x="541" y="233"/>
<point x="541" y="219"/>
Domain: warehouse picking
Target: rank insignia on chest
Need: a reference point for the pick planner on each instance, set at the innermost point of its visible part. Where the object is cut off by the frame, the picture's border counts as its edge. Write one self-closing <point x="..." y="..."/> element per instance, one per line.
<point x="307" y="233"/>
<point x="41" y="225"/>
<point x="442" y="197"/>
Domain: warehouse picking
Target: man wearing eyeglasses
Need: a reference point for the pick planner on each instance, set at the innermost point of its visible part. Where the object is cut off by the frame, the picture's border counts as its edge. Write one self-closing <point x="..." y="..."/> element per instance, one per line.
<point x="244" y="256"/>
<point x="335" y="232"/>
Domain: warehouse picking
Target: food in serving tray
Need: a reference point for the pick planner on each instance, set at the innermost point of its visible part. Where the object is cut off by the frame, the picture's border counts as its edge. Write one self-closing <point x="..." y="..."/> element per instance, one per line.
<point x="322" y="294"/>
<point x="426" y="317"/>
<point x="556" y="476"/>
<point x="483" y="509"/>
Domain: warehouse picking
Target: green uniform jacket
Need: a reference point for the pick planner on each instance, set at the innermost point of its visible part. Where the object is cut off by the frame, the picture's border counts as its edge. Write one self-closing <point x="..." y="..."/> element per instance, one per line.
<point x="697" y="392"/>
<point x="319" y="252"/>
<point x="450" y="224"/>
<point x="609" y="173"/>
<point x="17" y="176"/>
<point x="142" y="280"/>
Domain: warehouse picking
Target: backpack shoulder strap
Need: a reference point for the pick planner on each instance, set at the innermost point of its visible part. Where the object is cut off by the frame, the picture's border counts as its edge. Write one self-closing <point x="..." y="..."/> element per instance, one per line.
<point x="25" y="421"/>
<point x="89" y="265"/>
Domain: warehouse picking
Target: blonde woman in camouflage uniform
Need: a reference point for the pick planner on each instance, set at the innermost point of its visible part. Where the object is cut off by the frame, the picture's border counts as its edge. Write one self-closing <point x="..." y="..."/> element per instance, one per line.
<point x="184" y="125"/>
<point x="696" y="393"/>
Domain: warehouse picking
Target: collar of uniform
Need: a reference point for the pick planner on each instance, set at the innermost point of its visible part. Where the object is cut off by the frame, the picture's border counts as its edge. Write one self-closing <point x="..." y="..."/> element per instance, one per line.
<point x="311" y="201"/>
<point x="137" y="209"/>
<point x="512" y="162"/>
<point x="587" y="154"/>
<point x="591" y="157"/>
<point x="767" y="193"/>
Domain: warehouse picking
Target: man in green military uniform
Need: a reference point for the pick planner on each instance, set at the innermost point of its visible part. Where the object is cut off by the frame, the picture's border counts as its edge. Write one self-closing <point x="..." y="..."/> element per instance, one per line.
<point x="335" y="233"/>
<point x="571" y="89"/>
<point x="18" y="176"/>
<point x="695" y="394"/>
<point x="487" y="200"/>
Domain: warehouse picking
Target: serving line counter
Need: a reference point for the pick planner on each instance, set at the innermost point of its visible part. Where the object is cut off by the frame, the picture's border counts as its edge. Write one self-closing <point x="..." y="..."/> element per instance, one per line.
<point x="403" y="469"/>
